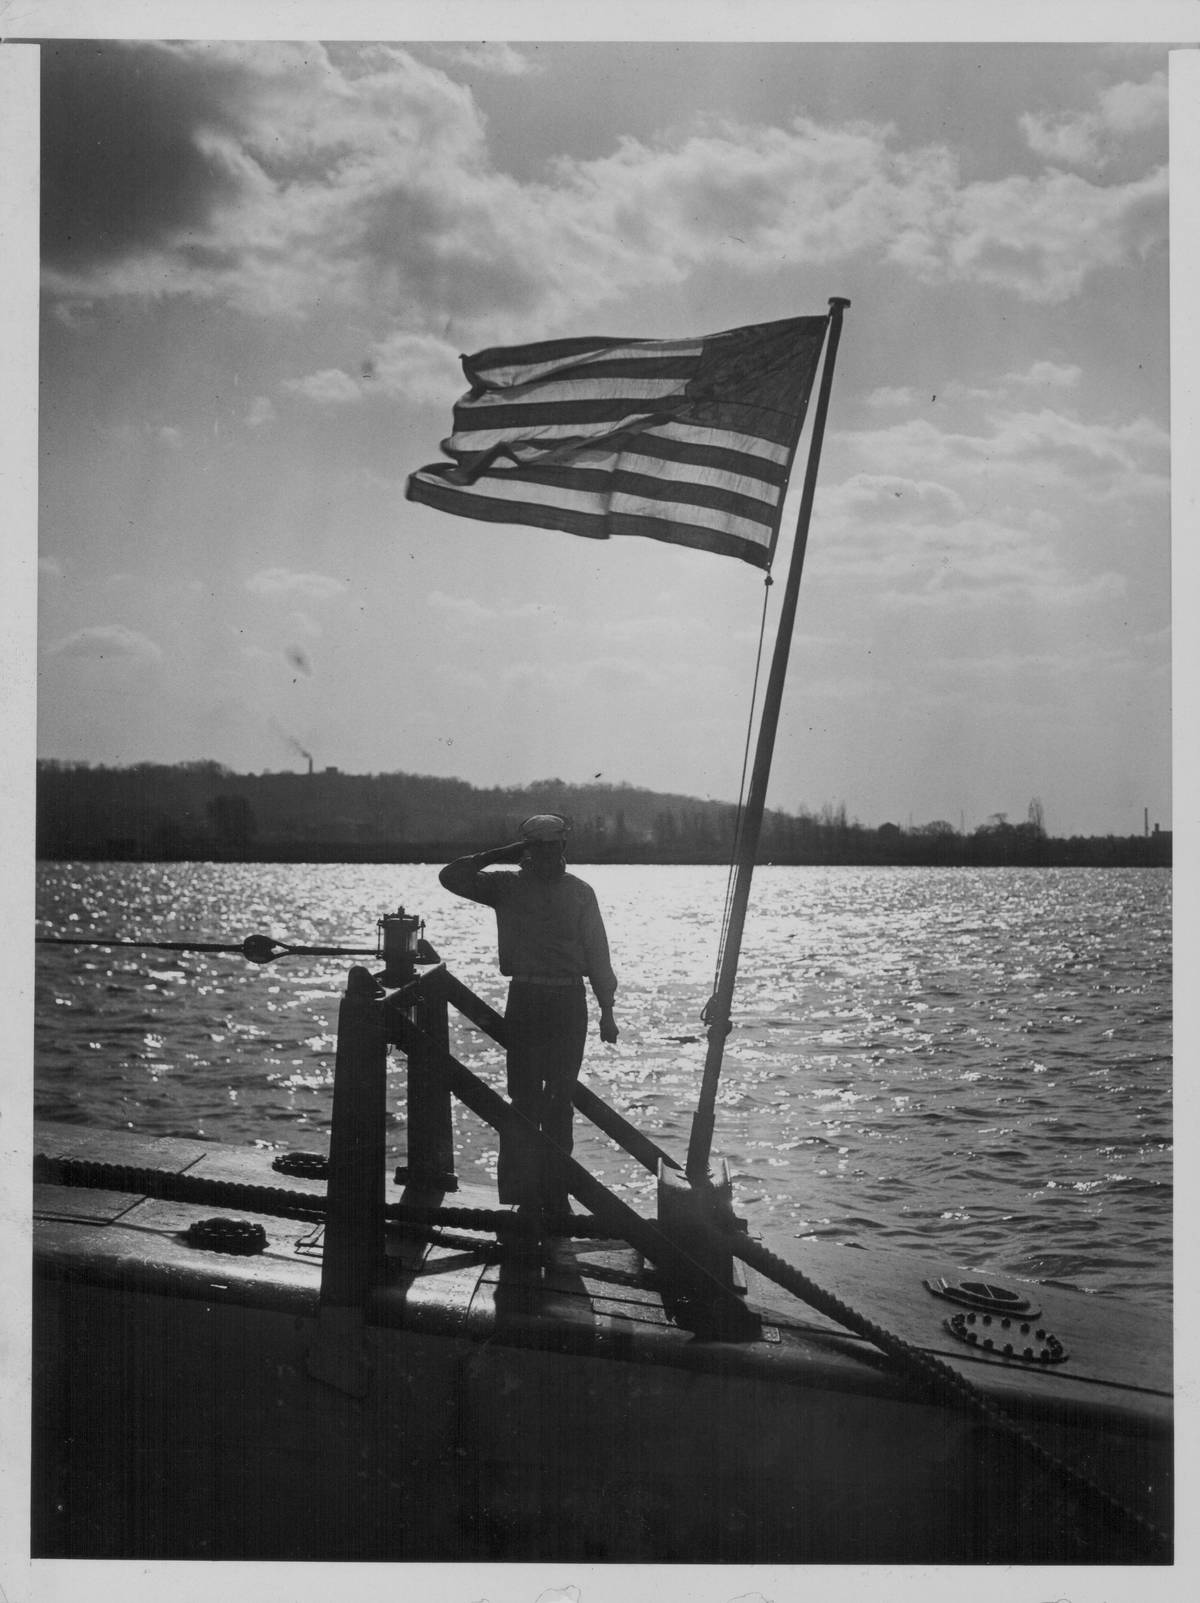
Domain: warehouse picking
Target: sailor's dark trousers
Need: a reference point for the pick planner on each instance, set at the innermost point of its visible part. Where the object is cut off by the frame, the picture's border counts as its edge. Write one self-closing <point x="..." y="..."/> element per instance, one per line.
<point x="546" y="1026"/>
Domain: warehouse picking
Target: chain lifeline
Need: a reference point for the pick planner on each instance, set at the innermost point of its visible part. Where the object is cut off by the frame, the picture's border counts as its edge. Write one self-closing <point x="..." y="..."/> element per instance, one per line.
<point x="255" y="948"/>
<point x="165" y="1185"/>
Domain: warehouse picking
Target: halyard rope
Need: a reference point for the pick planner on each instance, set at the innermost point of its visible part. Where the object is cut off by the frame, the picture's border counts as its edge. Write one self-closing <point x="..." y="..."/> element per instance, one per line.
<point x="739" y="816"/>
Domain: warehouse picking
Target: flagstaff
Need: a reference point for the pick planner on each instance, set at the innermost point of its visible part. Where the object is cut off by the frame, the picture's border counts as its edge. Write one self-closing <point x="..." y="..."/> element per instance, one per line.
<point x="718" y="1010"/>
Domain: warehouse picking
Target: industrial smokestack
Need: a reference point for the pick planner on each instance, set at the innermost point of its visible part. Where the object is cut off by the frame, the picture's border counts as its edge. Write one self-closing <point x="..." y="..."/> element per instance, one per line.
<point x="293" y="743"/>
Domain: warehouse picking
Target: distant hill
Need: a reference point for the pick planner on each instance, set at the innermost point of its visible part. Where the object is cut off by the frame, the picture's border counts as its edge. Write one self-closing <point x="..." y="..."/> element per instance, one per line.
<point x="201" y="810"/>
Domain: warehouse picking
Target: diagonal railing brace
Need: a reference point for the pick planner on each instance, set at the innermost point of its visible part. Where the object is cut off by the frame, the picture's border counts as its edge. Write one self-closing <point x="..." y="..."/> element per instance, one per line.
<point x="724" y="1312"/>
<point x="606" y="1118"/>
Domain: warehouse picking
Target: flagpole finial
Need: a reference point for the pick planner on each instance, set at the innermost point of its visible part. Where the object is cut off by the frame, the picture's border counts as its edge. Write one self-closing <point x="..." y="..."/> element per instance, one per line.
<point x="838" y="300"/>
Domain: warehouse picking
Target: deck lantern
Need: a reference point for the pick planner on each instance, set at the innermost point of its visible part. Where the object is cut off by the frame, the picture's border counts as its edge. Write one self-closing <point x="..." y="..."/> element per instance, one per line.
<point x="400" y="942"/>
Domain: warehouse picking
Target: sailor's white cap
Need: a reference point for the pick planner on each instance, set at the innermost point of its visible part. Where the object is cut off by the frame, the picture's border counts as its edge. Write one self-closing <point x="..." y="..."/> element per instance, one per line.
<point x="545" y="826"/>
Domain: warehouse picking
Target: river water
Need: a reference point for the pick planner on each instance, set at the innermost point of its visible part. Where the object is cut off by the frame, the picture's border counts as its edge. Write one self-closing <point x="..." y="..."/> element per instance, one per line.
<point x="972" y="1063"/>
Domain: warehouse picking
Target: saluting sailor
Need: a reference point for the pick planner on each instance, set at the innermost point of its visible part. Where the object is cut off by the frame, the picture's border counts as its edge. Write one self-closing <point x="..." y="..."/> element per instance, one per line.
<point x="551" y="937"/>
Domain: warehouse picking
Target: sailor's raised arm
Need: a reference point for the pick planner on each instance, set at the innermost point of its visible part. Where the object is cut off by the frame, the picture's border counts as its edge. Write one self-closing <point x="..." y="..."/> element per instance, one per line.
<point x="465" y="875"/>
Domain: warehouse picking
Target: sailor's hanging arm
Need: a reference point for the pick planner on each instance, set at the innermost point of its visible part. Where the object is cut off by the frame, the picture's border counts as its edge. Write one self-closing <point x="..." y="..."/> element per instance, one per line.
<point x="608" y="1021"/>
<point x="465" y="875"/>
<point x="599" y="968"/>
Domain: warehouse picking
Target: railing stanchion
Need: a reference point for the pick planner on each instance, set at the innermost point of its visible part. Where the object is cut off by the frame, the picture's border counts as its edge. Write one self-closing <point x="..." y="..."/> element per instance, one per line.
<point x="353" y="1245"/>
<point x="353" y="1250"/>
<point x="430" y="1117"/>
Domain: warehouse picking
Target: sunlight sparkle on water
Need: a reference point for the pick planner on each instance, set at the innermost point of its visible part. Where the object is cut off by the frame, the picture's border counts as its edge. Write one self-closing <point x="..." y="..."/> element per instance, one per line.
<point x="890" y="1014"/>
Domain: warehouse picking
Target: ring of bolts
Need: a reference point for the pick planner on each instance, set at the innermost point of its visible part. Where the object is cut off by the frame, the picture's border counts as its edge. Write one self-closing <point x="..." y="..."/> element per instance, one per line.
<point x="1050" y="1352"/>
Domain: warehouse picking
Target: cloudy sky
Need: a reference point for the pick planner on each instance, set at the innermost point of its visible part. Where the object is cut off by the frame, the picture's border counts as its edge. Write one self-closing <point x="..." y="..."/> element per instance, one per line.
<point x="261" y="263"/>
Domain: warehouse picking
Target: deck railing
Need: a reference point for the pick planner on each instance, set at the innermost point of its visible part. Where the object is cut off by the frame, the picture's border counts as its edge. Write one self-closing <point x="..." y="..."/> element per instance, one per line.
<point x="414" y="1016"/>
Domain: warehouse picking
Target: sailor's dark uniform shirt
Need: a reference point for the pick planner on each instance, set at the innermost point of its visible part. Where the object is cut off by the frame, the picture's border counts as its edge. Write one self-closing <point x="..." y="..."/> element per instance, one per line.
<point x="546" y="929"/>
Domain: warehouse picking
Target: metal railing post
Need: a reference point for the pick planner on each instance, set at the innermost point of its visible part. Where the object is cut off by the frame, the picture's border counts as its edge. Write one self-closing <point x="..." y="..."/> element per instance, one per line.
<point x="353" y="1251"/>
<point x="430" y="1118"/>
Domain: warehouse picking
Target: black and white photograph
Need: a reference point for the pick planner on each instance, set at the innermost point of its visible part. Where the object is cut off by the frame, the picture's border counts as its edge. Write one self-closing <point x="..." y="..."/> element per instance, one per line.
<point x="600" y="798"/>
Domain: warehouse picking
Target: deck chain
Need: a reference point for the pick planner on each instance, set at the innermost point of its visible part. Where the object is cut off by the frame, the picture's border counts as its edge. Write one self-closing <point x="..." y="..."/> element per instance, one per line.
<point x="170" y="1186"/>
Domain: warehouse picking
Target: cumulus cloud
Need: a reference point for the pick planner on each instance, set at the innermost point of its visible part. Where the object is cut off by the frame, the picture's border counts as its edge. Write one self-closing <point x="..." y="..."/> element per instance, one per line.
<point x="1047" y="375"/>
<point x="1041" y="238"/>
<point x="418" y="367"/>
<point x="286" y="582"/>
<point x="136" y="436"/>
<point x="951" y="396"/>
<point x="1020" y="511"/>
<point x="1032" y="450"/>
<point x="489" y="56"/>
<point x="1092" y="138"/>
<point x="330" y="387"/>
<point x="1131" y="107"/>
<point x="990" y="577"/>
<point x="1127" y="458"/>
<point x="974" y="564"/>
<point x="1073" y="140"/>
<point x="360" y="177"/>
<point x="889" y="396"/>
<point x="107" y="642"/>
<point x="1079" y="657"/>
<point x="467" y="609"/>
<point x="462" y="607"/>
<point x="876" y="495"/>
<point x="260" y="413"/>
<point x="297" y="170"/>
<point x="554" y="683"/>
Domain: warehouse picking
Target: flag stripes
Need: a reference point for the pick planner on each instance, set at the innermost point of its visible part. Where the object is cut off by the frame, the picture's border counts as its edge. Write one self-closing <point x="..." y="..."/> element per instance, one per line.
<point x="527" y="504"/>
<point x="592" y="482"/>
<point x="508" y="366"/>
<point x="658" y="380"/>
<point x="688" y="441"/>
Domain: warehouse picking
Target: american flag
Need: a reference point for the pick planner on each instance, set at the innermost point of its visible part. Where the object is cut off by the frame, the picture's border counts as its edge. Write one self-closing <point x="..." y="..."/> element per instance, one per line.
<point x="689" y="441"/>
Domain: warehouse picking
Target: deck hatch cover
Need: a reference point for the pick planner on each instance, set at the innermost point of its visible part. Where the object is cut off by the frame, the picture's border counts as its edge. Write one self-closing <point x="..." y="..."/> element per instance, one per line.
<point x="986" y="1296"/>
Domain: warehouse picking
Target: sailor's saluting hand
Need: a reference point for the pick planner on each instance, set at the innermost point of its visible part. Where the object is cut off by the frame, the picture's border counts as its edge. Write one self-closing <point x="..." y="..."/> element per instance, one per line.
<point x="510" y="853"/>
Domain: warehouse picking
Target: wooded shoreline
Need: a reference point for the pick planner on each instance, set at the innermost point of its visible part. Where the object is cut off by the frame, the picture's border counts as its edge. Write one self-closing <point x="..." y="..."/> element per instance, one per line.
<point x="202" y="812"/>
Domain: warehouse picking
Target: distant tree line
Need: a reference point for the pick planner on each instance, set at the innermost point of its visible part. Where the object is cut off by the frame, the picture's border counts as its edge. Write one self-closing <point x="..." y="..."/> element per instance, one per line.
<point x="203" y="811"/>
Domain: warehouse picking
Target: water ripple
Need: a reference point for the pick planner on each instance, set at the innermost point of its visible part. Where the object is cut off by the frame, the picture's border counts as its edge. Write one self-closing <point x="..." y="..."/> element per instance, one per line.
<point x="970" y="1061"/>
